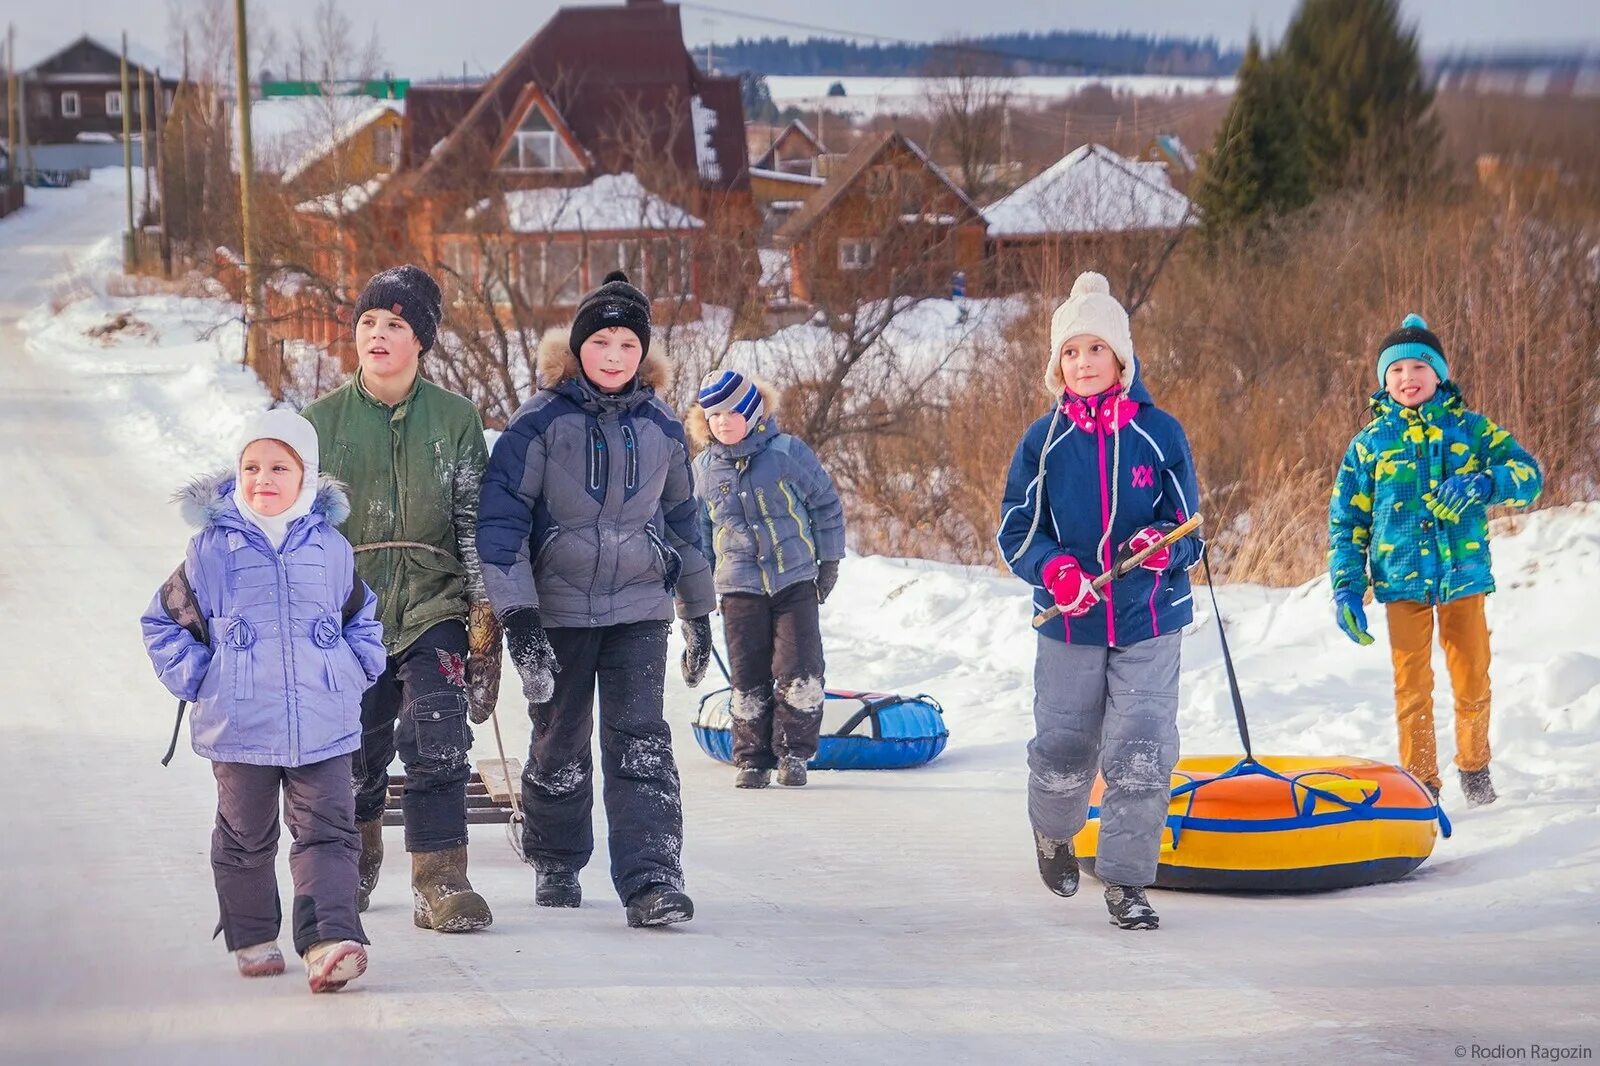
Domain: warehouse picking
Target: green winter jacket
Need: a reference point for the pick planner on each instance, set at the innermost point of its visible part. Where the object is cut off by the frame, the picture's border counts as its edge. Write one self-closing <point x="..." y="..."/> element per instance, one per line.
<point x="1378" y="523"/>
<point x="414" y="471"/>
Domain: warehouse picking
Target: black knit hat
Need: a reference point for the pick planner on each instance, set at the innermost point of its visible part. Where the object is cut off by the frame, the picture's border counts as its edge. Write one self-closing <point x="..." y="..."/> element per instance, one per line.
<point x="409" y="292"/>
<point x="614" y="303"/>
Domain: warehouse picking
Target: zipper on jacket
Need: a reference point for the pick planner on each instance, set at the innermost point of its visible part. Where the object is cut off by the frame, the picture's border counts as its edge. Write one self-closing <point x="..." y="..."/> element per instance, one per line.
<point x="597" y="455"/>
<point x="631" y="477"/>
<point x="772" y="533"/>
<point x="1106" y="517"/>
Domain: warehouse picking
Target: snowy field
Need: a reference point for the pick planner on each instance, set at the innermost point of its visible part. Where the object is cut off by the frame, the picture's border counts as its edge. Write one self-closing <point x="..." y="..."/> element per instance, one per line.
<point x="868" y="918"/>
<point x="870" y="96"/>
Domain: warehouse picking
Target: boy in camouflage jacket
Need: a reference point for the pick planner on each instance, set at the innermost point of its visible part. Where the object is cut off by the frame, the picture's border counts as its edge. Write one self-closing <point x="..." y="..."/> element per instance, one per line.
<point x="1409" y="518"/>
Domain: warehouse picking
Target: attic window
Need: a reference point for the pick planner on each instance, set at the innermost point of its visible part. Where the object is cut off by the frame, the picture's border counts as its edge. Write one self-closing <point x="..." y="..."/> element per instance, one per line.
<point x="537" y="146"/>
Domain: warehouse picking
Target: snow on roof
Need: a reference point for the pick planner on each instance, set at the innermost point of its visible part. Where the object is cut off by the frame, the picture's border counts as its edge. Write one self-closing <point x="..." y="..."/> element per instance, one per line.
<point x="1174" y="147"/>
<point x="346" y="201"/>
<point x="705" y="152"/>
<point x="1091" y="190"/>
<point x="610" y="202"/>
<point x="290" y="133"/>
<point x="783" y="175"/>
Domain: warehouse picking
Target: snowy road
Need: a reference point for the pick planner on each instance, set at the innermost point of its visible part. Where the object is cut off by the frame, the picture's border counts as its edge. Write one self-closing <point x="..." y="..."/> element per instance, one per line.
<point x="870" y="919"/>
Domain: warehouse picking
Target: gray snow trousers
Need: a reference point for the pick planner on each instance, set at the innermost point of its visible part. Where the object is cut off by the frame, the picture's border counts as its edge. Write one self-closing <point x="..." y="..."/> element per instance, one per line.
<point x="1115" y="710"/>
<point x="320" y="807"/>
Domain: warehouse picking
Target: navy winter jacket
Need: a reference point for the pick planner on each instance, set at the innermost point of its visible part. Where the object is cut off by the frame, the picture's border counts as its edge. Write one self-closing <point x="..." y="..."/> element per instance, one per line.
<point x="1114" y="461"/>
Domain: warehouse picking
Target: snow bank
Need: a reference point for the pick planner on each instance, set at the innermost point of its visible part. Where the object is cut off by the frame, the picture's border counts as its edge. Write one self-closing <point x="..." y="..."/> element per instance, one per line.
<point x="869" y="96"/>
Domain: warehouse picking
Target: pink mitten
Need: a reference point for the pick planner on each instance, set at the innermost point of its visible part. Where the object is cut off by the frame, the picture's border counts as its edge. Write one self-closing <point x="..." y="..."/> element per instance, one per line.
<point x="1072" y="588"/>
<point x="1158" y="561"/>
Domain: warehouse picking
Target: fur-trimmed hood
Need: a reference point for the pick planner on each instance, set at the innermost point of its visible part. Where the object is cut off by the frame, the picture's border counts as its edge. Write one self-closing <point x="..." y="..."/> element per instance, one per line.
<point x="558" y="363"/>
<point x="208" y="499"/>
<point x="699" y="430"/>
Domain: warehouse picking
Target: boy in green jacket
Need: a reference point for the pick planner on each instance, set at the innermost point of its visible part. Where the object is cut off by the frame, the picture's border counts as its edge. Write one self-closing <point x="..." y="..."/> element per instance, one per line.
<point x="412" y="455"/>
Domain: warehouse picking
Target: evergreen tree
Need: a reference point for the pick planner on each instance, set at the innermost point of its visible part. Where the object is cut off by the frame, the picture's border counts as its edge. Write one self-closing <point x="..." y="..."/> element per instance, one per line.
<point x="1258" y="167"/>
<point x="757" y="97"/>
<point x="1365" y="102"/>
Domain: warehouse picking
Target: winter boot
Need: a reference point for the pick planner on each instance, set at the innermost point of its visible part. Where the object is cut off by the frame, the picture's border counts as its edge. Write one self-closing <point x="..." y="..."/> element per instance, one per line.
<point x="791" y="770"/>
<point x="1129" y="908"/>
<point x="332" y="964"/>
<point x="1477" y="787"/>
<point x="1057" y="864"/>
<point x="444" y="899"/>
<point x="557" y="888"/>
<point x="658" y="905"/>
<point x="259" y="960"/>
<point x="371" y="860"/>
<point x="752" y="777"/>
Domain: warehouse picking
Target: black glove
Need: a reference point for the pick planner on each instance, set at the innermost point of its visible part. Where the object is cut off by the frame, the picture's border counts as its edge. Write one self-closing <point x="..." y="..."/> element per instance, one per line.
<point x="827" y="577"/>
<point x="697" y="648"/>
<point x="531" y="654"/>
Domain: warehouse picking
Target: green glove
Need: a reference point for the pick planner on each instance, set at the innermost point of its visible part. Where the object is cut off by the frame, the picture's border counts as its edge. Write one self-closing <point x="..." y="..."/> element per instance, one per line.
<point x="1351" y="616"/>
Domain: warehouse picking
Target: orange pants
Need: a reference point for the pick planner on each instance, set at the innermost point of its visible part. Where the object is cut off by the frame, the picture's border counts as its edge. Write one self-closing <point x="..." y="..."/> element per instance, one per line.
<point x="1464" y="635"/>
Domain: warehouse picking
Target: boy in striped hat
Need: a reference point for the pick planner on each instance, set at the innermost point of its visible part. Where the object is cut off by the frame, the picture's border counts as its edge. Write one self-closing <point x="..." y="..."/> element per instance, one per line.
<point x="775" y="525"/>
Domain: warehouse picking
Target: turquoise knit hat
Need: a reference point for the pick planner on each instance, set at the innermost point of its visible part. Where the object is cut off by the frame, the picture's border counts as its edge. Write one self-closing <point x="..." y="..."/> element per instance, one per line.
<point x="1412" y="340"/>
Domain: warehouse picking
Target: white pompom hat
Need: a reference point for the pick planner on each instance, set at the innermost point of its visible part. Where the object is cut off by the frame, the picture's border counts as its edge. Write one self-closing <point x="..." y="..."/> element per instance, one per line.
<point x="1091" y="309"/>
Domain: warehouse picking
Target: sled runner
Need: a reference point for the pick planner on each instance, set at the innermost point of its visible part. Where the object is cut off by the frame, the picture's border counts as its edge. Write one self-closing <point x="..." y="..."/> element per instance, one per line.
<point x="860" y="730"/>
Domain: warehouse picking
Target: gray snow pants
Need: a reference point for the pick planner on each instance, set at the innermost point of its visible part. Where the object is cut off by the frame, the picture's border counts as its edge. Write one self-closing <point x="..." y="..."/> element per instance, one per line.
<point x="775" y="657"/>
<point x="320" y="807"/>
<point x="1115" y="709"/>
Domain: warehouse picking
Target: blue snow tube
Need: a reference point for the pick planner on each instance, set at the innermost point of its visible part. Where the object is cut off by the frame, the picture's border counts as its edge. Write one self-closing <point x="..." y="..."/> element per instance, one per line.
<point x="876" y="731"/>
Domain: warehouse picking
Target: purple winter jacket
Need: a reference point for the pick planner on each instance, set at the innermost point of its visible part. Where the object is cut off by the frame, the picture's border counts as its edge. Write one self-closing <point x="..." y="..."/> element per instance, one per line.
<point x="293" y="637"/>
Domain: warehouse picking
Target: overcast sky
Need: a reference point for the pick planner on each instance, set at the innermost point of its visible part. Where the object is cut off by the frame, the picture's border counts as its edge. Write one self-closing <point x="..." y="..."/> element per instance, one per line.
<point x="424" y="38"/>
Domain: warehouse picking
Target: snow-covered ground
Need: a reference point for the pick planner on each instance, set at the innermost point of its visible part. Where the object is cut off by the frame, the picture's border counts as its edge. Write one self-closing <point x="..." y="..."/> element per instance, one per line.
<point x="871" y="96"/>
<point x="868" y="918"/>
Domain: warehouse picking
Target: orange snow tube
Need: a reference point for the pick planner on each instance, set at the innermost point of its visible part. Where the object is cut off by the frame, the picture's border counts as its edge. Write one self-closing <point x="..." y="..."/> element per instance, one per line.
<point x="1286" y="823"/>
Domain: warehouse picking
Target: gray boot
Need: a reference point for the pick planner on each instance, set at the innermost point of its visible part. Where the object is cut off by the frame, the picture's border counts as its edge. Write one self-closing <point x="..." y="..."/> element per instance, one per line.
<point x="1477" y="787"/>
<point x="791" y="771"/>
<point x="444" y="899"/>
<point x="371" y="860"/>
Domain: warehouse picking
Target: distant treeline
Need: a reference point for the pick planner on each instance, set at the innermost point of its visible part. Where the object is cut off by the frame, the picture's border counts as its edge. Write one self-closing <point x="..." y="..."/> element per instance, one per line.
<point x="1016" y="53"/>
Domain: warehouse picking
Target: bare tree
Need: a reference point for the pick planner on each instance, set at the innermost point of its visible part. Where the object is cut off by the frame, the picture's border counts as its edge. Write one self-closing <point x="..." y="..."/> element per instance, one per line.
<point x="968" y="107"/>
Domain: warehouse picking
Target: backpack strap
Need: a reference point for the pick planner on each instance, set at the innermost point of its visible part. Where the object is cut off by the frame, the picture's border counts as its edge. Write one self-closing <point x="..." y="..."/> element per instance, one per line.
<point x="357" y="597"/>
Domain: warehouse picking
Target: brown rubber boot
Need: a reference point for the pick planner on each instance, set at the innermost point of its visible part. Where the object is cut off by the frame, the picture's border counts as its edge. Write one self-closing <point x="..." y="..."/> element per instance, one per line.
<point x="371" y="860"/>
<point x="444" y="899"/>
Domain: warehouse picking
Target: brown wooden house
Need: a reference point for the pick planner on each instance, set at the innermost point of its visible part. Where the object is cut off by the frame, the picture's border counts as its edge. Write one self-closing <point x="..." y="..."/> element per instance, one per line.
<point x="75" y="94"/>
<point x="888" y="221"/>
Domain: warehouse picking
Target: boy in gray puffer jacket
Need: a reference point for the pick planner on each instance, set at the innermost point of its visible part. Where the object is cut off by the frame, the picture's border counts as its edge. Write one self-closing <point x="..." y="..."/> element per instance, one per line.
<point x="775" y="528"/>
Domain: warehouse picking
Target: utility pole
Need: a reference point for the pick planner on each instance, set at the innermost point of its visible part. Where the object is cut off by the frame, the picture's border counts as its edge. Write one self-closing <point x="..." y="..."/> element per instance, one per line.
<point x="161" y="176"/>
<point x="130" y="248"/>
<point x="252" y="282"/>
<point x="144" y="149"/>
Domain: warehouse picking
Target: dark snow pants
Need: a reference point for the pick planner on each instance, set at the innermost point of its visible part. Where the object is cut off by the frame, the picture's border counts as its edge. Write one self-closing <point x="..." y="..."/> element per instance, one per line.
<point x="775" y="657"/>
<point x="644" y="808"/>
<point x="320" y="811"/>
<point x="1115" y="710"/>
<point x="419" y="706"/>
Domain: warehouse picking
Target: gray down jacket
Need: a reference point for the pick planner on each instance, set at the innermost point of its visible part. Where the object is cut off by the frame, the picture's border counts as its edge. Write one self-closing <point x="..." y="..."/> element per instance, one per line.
<point x="588" y="510"/>
<point x="769" y="511"/>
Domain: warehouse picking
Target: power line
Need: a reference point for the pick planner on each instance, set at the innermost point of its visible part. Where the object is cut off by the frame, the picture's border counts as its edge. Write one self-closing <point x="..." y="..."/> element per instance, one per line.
<point x="957" y="46"/>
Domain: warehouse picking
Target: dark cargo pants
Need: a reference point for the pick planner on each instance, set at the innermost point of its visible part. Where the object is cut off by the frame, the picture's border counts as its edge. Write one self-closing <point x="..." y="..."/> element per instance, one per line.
<point x="775" y="658"/>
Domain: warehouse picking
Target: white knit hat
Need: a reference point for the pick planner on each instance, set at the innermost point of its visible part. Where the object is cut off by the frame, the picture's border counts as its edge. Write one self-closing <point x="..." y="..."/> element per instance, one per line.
<point x="300" y="435"/>
<point x="1092" y="310"/>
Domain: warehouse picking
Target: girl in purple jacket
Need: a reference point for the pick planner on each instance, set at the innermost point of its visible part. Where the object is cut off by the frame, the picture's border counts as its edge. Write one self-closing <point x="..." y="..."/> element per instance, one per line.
<point x="266" y="630"/>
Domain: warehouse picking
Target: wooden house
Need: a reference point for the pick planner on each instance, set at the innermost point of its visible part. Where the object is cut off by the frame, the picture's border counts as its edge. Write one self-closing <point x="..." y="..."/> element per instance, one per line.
<point x="888" y="220"/>
<point x="74" y="95"/>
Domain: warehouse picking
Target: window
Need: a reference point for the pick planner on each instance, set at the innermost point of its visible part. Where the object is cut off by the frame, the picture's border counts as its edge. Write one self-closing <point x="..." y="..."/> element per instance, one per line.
<point x="537" y="146"/>
<point x="70" y="107"/>
<point x="671" y="270"/>
<point x="857" y="253"/>
<point x="561" y="260"/>
<point x="113" y="103"/>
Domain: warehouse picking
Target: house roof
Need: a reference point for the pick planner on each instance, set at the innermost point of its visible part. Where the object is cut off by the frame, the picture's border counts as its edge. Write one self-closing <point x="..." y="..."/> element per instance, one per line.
<point x="1172" y="146"/>
<point x="432" y="111"/>
<point x="611" y="203"/>
<point x="848" y="172"/>
<point x="795" y="128"/>
<point x="1091" y="190"/>
<point x="346" y="201"/>
<point x="138" y="56"/>
<point x="290" y="133"/>
<point x="606" y="69"/>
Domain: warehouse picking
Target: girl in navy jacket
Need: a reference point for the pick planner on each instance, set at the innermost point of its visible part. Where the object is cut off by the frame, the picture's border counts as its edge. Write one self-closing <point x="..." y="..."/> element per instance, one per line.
<point x="1101" y="476"/>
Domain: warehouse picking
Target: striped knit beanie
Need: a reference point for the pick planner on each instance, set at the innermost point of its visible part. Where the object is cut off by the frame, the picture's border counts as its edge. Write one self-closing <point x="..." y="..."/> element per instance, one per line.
<point x="1413" y="340"/>
<point x="730" y="392"/>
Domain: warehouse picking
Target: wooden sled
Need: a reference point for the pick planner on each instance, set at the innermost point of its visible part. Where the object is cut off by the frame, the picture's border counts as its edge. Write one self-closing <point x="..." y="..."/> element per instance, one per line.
<point x="488" y="793"/>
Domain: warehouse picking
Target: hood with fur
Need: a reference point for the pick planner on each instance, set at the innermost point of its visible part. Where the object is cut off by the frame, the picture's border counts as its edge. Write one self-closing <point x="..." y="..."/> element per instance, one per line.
<point x="557" y="363"/>
<point x="699" y="430"/>
<point x="207" y="499"/>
